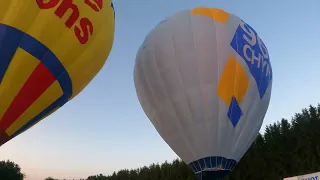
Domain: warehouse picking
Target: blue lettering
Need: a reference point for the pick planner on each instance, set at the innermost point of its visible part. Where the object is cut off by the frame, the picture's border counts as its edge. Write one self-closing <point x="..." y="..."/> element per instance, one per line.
<point x="251" y="48"/>
<point x="310" y="178"/>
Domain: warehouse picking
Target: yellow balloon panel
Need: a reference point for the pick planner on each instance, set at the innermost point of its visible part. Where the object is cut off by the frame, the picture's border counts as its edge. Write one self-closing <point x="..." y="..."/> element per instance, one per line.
<point x="49" y="51"/>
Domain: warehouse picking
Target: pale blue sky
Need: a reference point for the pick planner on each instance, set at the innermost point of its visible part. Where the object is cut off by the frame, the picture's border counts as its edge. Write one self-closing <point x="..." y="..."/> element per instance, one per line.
<point x="104" y="128"/>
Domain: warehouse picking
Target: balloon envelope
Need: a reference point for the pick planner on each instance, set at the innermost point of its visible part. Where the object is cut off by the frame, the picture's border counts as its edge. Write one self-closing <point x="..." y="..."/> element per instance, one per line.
<point x="49" y="51"/>
<point x="203" y="78"/>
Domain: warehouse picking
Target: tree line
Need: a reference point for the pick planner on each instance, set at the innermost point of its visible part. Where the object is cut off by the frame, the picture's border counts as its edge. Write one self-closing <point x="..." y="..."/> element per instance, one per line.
<point x="286" y="148"/>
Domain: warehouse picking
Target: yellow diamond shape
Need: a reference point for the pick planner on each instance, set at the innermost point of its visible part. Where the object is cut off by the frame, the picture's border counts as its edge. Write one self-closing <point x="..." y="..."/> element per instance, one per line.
<point x="233" y="82"/>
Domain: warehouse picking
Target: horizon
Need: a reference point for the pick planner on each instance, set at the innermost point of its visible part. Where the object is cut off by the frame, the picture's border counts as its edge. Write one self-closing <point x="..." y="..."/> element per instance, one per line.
<point x="104" y="128"/>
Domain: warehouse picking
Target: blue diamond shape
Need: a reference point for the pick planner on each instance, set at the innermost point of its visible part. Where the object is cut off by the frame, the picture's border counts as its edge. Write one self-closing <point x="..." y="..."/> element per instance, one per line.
<point x="234" y="112"/>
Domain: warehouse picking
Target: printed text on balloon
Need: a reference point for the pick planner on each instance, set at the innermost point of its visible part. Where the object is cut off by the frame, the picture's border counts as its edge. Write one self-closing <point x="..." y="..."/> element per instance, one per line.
<point x="310" y="178"/>
<point x="84" y="29"/>
<point x="251" y="48"/>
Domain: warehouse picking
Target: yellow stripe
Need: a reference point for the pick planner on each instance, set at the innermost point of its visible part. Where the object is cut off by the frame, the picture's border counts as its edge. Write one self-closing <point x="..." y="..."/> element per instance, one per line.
<point x="38" y="121"/>
<point x="47" y="98"/>
<point x="214" y="13"/>
<point x="19" y="70"/>
<point x="233" y="82"/>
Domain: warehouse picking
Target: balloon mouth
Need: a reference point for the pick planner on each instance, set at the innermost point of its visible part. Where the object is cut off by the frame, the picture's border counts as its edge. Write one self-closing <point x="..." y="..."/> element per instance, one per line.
<point x="214" y="174"/>
<point x="212" y="168"/>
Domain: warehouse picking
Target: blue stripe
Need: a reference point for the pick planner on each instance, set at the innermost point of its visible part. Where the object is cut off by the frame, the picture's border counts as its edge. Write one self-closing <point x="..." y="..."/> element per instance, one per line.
<point x="114" y="12"/>
<point x="58" y="103"/>
<point x="10" y="40"/>
<point x="207" y="163"/>
<point x="42" y="53"/>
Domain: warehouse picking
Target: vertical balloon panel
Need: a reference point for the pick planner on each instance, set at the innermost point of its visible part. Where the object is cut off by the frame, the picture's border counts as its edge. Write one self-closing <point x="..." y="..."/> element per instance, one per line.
<point x="49" y="51"/>
<point x="203" y="77"/>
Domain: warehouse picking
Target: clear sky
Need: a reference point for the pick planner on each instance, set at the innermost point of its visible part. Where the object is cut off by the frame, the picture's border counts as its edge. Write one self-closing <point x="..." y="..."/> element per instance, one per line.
<point x="104" y="129"/>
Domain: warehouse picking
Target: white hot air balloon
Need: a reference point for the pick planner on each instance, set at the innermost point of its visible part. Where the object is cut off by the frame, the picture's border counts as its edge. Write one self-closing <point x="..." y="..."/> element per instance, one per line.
<point x="204" y="78"/>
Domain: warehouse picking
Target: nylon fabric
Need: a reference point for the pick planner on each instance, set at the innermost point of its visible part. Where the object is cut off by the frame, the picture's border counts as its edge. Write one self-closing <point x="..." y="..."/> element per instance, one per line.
<point x="201" y="88"/>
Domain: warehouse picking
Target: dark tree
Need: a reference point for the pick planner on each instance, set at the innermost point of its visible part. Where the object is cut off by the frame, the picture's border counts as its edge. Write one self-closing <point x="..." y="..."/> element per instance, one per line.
<point x="10" y="171"/>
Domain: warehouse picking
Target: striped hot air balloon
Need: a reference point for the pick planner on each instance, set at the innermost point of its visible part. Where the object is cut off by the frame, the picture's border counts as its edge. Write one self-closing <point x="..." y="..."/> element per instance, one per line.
<point x="204" y="78"/>
<point x="49" y="51"/>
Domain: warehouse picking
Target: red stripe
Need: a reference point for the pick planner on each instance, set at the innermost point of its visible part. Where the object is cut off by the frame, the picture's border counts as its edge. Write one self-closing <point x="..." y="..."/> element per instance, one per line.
<point x="3" y="137"/>
<point x="39" y="81"/>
